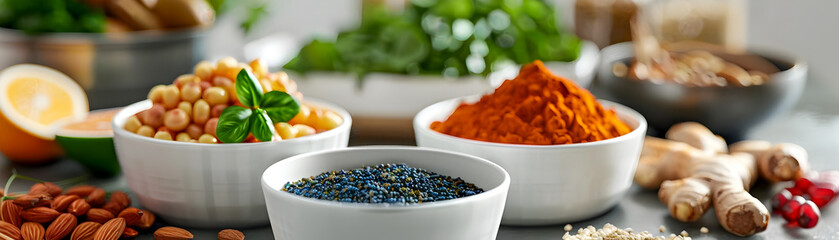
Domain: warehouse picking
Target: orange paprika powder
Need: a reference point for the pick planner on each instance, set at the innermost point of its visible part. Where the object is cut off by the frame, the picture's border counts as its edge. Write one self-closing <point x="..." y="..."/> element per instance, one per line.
<point x="536" y="108"/>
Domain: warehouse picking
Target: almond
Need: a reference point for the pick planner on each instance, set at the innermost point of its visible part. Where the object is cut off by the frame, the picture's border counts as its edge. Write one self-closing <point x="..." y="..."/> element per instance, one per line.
<point x="132" y="215"/>
<point x="112" y="207"/>
<point x="39" y="214"/>
<point x="9" y="231"/>
<point x="46" y="187"/>
<point x="32" y="231"/>
<point x="172" y="233"/>
<point x="81" y="191"/>
<point x="111" y="230"/>
<point x="99" y="215"/>
<point x="97" y="197"/>
<point x="231" y="234"/>
<point x="61" y="203"/>
<point x="146" y="221"/>
<point x="10" y="213"/>
<point x="61" y="227"/>
<point x="129" y="233"/>
<point x="120" y="198"/>
<point x="78" y="207"/>
<point x="85" y="231"/>
<point x="33" y="200"/>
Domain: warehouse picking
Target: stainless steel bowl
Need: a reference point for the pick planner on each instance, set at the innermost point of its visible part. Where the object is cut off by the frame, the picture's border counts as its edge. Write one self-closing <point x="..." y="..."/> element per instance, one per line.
<point x="115" y="69"/>
<point x="728" y="111"/>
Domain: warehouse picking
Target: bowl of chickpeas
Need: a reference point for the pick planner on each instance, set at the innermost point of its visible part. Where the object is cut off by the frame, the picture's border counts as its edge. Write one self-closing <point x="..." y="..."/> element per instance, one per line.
<point x="176" y="166"/>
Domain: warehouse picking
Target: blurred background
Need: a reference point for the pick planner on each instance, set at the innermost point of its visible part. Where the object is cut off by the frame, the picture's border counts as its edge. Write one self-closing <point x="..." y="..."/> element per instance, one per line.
<point x="363" y="54"/>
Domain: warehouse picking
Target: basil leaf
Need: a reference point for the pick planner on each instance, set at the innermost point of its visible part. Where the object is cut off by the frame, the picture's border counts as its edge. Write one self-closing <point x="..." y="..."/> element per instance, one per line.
<point x="261" y="126"/>
<point x="280" y="106"/>
<point x="233" y="124"/>
<point x="248" y="89"/>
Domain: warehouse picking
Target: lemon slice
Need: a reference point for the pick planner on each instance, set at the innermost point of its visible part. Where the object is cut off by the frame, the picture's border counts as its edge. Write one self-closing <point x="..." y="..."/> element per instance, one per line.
<point x="35" y="101"/>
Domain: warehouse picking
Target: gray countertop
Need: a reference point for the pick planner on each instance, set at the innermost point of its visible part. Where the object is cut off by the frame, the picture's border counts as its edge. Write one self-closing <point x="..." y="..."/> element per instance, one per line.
<point x="813" y="124"/>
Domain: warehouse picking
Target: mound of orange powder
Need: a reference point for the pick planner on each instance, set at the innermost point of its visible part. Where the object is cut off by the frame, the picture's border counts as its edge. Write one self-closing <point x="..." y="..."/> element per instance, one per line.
<point x="536" y="108"/>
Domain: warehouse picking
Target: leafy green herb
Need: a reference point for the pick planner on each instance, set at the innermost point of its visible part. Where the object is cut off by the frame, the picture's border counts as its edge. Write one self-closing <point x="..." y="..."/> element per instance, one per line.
<point x="258" y="118"/>
<point x="443" y="37"/>
<point x="37" y="16"/>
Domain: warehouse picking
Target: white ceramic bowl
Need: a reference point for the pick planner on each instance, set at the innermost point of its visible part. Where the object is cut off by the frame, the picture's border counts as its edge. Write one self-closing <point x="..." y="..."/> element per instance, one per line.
<point x="203" y="185"/>
<point x="475" y="217"/>
<point x="550" y="184"/>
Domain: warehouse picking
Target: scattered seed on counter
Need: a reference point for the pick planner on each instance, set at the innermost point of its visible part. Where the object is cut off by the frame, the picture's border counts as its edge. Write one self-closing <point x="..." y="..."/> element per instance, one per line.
<point x="384" y="183"/>
<point x="611" y="232"/>
<point x="703" y="230"/>
<point x="568" y="227"/>
<point x="684" y="233"/>
<point x="662" y="228"/>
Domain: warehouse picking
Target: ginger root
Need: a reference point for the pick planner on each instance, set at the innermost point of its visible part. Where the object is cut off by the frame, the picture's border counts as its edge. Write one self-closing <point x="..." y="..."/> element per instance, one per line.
<point x="776" y="163"/>
<point x="693" y="170"/>
<point x="698" y="136"/>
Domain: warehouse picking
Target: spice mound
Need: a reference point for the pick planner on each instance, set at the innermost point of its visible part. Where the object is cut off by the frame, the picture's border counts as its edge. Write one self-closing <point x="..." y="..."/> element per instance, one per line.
<point x="384" y="183"/>
<point x="609" y="231"/>
<point x="536" y="108"/>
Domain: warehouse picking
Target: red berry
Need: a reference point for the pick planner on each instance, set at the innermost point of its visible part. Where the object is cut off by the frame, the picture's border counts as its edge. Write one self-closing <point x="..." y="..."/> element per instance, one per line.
<point x="795" y="191"/>
<point x="822" y="193"/>
<point x="808" y="215"/>
<point x="779" y="200"/>
<point x="802" y="185"/>
<point x="790" y="209"/>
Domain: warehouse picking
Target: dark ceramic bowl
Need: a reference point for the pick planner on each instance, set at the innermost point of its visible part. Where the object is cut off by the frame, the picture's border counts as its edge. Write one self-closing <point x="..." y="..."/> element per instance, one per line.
<point x="728" y="111"/>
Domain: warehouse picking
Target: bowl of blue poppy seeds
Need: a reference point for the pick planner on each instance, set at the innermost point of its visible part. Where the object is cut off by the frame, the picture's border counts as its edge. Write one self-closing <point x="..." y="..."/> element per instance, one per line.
<point x="385" y="192"/>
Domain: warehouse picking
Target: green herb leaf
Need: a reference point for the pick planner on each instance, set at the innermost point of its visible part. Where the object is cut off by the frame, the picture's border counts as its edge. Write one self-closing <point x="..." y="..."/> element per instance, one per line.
<point x="248" y="89"/>
<point x="261" y="126"/>
<point x="233" y="124"/>
<point x="280" y="106"/>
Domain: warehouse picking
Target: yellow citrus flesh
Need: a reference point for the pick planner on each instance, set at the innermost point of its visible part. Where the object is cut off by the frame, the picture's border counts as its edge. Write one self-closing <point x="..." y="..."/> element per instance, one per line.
<point x="39" y="100"/>
<point x="36" y="101"/>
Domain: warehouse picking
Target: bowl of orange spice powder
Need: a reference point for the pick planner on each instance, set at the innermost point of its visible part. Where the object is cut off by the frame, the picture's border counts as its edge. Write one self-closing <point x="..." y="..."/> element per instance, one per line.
<point x="569" y="155"/>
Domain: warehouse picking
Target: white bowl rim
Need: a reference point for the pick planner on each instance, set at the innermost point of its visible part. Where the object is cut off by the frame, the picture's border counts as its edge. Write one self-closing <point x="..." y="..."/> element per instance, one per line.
<point x="135" y="108"/>
<point x="394" y="207"/>
<point x="641" y="129"/>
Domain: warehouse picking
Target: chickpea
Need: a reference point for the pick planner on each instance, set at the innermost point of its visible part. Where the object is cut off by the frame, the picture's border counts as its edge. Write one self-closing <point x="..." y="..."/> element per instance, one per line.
<point x="266" y="85"/>
<point x="210" y="126"/>
<point x="146" y="131"/>
<point x="186" y="107"/>
<point x="285" y="130"/>
<point x="217" y="109"/>
<point x="156" y="93"/>
<point x="328" y="120"/>
<point x="200" y="111"/>
<point x="194" y="130"/>
<point x="171" y="97"/>
<point x="132" y="124"/>
<point x="176" y="120"/>
<point x="185" y="79"/>
<point x="304" y="130"/>
<point x="204" y="70"/>
<point x="163" y="135"/>
<point x="215" y="96"/>
<point x="204" y="85"/>
<point x="191" y="92"/>
<point x="302" y="116"/>
<point x="153" y="116"/>
<point x="183" y="137"/>
<point x="207" y="138"/>
<point x="223" y="82"/>
<point x="225" y="65"/>
<point x="234" y="97"/>
<point x="259" y="68"/>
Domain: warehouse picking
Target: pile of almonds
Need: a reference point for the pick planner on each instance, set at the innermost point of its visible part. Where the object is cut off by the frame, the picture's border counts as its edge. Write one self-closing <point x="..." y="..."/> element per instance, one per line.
<point x="81" y="212"/>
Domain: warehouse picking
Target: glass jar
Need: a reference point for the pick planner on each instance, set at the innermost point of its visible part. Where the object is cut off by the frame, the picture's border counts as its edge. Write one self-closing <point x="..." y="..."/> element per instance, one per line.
<point x="721" y="22"/>
<point x="605" y="22"/>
